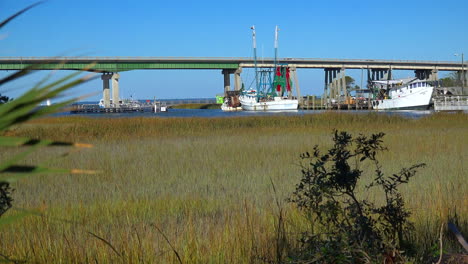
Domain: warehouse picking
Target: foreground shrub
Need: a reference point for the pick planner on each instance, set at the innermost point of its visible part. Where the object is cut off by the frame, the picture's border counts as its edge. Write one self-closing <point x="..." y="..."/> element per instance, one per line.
<point x="5" y="197"/>
<point x="345" y="228"/>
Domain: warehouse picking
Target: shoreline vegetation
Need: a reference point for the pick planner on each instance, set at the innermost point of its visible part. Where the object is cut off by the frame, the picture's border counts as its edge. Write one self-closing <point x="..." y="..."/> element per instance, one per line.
<point x="202" y="187"/>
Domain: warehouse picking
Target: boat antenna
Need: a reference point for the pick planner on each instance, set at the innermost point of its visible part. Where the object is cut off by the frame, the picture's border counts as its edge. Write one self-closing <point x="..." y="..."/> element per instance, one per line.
<point x="254" y="40"/>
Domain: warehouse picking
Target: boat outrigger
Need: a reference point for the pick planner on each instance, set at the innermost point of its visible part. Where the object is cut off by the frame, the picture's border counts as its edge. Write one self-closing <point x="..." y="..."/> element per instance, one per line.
<point x="273" y="86"/>
<point x="401" y="94"/>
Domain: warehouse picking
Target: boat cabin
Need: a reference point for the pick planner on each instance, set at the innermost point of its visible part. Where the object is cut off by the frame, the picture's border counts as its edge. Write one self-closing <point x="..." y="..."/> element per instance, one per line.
<point x="397" y="88"/>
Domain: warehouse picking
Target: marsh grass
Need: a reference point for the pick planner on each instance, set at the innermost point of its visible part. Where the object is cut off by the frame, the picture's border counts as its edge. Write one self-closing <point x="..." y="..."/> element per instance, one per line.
<point x="206" y="183"/>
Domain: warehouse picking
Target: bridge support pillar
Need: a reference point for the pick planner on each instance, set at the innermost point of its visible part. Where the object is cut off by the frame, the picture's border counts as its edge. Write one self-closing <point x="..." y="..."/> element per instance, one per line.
<point x="462" y="81"/>
<point x="332" y="91"/>
<point x="105" y="77"/>
<point x="227" y="80"/>
<point x="343" y="89"/>
<point x="325" y="88"/>
<point x="387" y="75"/>
<point x="370" y="94"/>
<point x="433" y="75"/>
<point x="335" y="84"/>
<point x="296" y="84"/>
<point x="338" y="88"/>
<point x="115" y="90"/>
<point x="418" y="74"/>
<point x="337" y="81"/>
<point x="460" y="76"/>
<point x="423" y="74"/>
<point x="378" y="74"/>
<point x="237" y="79"/>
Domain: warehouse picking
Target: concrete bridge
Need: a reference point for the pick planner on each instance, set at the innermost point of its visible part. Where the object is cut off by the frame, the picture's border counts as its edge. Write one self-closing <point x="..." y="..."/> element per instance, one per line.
<point x="334" y="69"/>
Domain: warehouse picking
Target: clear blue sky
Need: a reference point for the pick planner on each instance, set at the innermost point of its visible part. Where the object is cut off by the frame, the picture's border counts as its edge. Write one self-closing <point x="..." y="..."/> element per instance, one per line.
<point x="406" y="30"/>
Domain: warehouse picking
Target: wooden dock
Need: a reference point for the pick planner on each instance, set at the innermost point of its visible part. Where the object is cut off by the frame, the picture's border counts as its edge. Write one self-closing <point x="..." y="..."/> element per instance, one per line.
<point x="95" y="109"/>
<point x="451" y="103"/>
<point x="314" y="103"/>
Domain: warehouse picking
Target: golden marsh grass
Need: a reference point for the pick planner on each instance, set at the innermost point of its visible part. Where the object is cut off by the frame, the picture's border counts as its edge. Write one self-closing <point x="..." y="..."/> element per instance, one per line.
<point x="206" y="184"/>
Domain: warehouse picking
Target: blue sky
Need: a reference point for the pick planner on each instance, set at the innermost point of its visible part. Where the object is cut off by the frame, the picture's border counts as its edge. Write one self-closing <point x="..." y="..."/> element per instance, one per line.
<point x="403" y="30"/>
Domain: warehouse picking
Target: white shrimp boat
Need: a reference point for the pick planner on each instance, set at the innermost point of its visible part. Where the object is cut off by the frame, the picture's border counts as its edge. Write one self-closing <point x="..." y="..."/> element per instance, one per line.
<point x="251" y="102"/>
<point x="273" y="86"/>
<point x="402" y="94"/>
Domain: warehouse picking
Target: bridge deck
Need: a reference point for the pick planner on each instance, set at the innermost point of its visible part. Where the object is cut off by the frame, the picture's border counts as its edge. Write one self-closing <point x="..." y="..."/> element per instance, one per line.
<point x="117" y="64"/>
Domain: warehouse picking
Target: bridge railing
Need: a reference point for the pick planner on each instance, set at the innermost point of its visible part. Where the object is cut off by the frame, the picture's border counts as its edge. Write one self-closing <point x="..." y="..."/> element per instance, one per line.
<point x="237" y="59"/>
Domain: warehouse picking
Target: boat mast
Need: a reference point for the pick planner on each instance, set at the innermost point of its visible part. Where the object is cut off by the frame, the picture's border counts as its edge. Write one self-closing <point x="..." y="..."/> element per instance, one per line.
<point x="255" y="58"/>
<point x="276" y="46"/>
<point x="275" y="62"/>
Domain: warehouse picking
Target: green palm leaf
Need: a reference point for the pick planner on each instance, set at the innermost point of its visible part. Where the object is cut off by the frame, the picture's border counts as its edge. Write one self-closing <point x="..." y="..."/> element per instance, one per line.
<point x="25" y="108"/>
<point x="6" y="21"/>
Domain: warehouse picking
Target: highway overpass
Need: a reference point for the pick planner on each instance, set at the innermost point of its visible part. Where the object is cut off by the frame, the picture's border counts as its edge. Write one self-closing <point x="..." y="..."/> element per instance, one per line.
<point x="118" y="64"/>
<point x="334" y="85"/>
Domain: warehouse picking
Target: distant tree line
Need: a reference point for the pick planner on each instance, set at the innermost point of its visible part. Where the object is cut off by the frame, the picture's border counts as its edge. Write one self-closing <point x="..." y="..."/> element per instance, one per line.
<point x="453" y="79"/>
<point x="350" y="83"/>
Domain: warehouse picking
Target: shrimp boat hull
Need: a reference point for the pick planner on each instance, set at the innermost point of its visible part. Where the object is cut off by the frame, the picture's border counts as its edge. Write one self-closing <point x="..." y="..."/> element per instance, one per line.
<point x="406" y="98"/>
<point x="231" y="101"/>
<point x="278" y="104"/>
<point x="226" y="107"/>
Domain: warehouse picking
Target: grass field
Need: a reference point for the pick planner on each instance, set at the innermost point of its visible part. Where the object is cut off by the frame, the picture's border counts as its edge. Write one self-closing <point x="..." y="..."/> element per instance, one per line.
<point x="203" y="187"/>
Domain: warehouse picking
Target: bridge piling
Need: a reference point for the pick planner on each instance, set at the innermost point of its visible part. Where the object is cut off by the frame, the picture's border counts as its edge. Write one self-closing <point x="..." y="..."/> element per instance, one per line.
<point x="334" y="82"/>
<point x="434" y="75"/>
<point x="339" y="87"/>
<point x="379" y="74"/>
<point x="296" y="84"/>
<point x="463" y="76"/>
<point x="336" y="93"/>
<point x="335" y="85"/>
<point x="423" y="74"/>
<point x="237" y="79"/>
<point x="420" y="74"/>
<point x="115" y="89"/>
<point x="227" y="80"/>
<point x="105" y="77"/>
<point x="325" y="88"/>
<point x="344" y="90"/>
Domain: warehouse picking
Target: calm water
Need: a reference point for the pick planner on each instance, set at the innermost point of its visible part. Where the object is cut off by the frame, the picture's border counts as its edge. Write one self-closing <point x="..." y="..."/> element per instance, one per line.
<point x="208" y="113"/>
